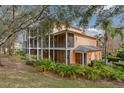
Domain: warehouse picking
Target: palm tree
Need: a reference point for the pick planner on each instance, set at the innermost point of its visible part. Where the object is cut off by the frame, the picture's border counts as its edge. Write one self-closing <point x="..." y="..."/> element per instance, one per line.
<point x="103" y="21"/>
<point x="106" y="25"/>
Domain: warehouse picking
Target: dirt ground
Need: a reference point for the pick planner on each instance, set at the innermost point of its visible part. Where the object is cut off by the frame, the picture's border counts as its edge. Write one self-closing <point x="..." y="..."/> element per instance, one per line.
<point x="12" y="64"/>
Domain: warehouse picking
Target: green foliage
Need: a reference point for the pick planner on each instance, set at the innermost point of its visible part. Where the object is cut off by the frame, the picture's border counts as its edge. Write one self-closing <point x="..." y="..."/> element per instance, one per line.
<point x="121" y="53"/>
<point x="62" y="69"/>
<point x="22" y="55"/>
<point x="103" y="69"/>
<point x="97" y="69"/>
<point x="89" y="72"/>
<point x="106" y="71"/>
<point x="119" y="64"/>
<point x="117" y="75"/>
<point x="97" y="63"/>
<point x="67" y="70"/>
<point x="114" y="59"/>
<point x="45" y="64"/>
<point x="29" y="62"/>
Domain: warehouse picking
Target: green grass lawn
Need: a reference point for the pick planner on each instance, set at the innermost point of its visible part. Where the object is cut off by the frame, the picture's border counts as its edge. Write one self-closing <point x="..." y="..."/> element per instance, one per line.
<point x="17" y="74"/>
<point x="32" y="79"/>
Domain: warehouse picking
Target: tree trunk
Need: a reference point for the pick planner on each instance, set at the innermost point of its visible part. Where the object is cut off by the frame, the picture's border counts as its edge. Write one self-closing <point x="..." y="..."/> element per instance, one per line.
<point x="11" y="46"/>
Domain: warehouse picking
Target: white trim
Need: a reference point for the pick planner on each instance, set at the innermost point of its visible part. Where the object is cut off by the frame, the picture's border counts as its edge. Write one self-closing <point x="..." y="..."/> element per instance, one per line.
<point x="66" y="46"/>
<point x="29" y="52"/>
<point x="41" y="48"/>
<point x="37" y="47"/>
<point x="82" y="58"/>
<point x="33" y="43"/>
<point x="49" y="46"/>
<point x="53" y="49"/>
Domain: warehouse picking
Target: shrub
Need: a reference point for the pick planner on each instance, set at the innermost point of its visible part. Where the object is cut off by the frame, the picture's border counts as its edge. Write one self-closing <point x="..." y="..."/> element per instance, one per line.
<point x="105" y="71"/>
<point x="44" y="64"/>
<point x="67" y="70"/>
<point x="111" y="73"/>
<point x="22" y="55"/>
<point x="119" y="64"/>
<point x="97" y="63"/>
<point x="90" y="72"/>
<point x="117" y="75"/>
<point x="97" y="70"/>
<point x="29" y="62"/>
<point x="120" y="53"/>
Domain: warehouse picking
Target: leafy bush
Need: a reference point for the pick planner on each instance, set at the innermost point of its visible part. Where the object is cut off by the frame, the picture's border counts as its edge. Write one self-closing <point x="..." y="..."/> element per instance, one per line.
<point x="120" y="54"/>
<point x="117" y="75"/>
<point x="29" y="62"/>
<point x="97" y="63"/>
<point x="45" y="64"/>
<point x="97" y="70"/>
<point x="106" y="71"/>
<point x="119" y="64"/>
<point x="89" y="72"/>
<point x="22" y="55"/>
<point x="113" y="59"/>
<point x="67" y="70"/>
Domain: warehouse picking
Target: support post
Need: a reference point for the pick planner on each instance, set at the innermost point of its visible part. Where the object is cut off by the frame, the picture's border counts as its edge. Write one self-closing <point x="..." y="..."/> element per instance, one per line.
<point x="33" y="44"/>
<point x="29" y="43"/>
<point x="41" y="48"/>
<point x="49" y="46"/>
<point x="53" y="49"/>
<point x="82" y="58"/>
<point x="66" y="46"/>
<point x="37" y="46"/>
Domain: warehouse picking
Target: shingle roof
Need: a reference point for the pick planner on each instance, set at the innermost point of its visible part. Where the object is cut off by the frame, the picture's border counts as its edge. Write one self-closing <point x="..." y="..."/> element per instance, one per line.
<point x="86" y="48"/>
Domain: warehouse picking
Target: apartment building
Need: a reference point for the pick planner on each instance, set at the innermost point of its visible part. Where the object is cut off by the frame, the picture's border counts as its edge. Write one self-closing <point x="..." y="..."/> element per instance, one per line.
<point x="66" y="45"/>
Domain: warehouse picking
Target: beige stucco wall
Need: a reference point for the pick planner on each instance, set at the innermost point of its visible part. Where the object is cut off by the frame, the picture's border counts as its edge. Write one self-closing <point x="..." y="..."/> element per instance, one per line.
<point x="72" y="57"/>
<point x="96" y="55"/>
<point x="83" y="40"/>
<point x="64" y="27"/>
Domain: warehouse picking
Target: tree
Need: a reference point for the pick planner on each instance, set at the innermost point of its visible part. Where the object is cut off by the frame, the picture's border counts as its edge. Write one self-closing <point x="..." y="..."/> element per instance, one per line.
<point x="15" y="19"/>
<point x="104" y="21"/>
<point x="26" y="16"/>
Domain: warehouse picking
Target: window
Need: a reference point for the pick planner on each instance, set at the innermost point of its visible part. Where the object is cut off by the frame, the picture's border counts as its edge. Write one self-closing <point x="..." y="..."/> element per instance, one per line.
<point x="70" y="40"/>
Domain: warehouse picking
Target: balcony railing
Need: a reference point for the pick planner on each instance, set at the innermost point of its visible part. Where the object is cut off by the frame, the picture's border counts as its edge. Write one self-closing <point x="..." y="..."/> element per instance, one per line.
<point x="59" y="42"/>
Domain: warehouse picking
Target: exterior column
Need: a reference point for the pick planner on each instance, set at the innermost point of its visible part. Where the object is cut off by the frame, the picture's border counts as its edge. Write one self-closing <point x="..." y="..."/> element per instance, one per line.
<point x="53" y="49"/>
<point x="49" y="46"/>
<point x="29" y="43"/>
<point x="37" y="46"/>
<point x="33" y="44"/>
<point x="66" y="46"/>
<point x="41" y="48"/>
<point x="82" y="58"/>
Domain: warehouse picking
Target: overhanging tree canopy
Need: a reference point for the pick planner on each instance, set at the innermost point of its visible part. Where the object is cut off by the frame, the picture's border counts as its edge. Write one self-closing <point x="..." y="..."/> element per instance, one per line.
<point x="46" y="16"/>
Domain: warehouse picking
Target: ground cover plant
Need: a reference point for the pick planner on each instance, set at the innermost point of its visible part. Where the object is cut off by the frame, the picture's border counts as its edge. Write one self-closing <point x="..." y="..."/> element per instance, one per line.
<point x="22" y="55"/>
<point x="94" y="71"/>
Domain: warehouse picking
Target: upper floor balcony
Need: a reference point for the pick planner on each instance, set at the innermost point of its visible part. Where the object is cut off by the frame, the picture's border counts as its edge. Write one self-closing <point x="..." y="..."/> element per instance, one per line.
<point x="57" y="41"/>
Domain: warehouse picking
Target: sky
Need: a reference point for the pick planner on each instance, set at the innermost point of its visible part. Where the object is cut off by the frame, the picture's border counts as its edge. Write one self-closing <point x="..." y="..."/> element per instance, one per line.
<point x="90" y="30"/>
<point x="94" y="31"/>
